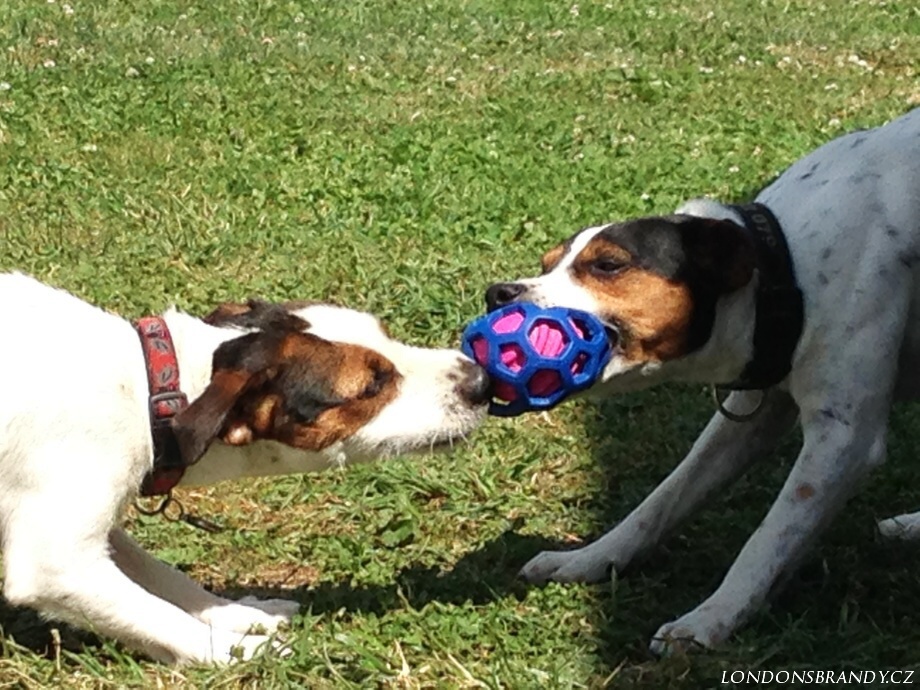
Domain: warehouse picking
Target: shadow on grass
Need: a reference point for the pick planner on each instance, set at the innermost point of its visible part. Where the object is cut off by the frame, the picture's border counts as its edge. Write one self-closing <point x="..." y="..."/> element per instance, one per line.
<point x="27" y="629"/>
<point x="480" y="577"/>
<point x="851" y="606"/>
<point x="845" y="608"/>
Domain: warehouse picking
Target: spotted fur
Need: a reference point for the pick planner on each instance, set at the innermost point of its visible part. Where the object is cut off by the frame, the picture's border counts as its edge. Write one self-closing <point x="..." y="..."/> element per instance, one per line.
<point x="680" y="290"/>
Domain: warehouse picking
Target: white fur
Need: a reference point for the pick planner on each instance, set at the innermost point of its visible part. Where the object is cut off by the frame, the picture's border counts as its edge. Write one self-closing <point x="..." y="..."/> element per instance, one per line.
<point x="724" y="354"/>
<point x="75" y="443"/>
<point x="851" y="214"/>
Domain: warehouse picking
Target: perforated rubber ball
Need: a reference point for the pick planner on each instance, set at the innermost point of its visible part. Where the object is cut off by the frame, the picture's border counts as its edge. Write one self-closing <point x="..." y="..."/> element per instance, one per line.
<point x="536" y="356"/>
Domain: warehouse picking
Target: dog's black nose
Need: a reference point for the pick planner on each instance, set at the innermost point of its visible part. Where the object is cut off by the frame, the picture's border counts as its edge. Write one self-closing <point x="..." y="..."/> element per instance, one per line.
<point x="500" y="294"/>
<point x="474" y="386"/>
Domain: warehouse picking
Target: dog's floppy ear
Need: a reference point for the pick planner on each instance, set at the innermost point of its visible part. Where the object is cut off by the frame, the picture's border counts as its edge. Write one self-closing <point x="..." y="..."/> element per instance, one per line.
<point x="259" y="381"/>
<point x="238" y="365"/>
<point x="719" y="250"/>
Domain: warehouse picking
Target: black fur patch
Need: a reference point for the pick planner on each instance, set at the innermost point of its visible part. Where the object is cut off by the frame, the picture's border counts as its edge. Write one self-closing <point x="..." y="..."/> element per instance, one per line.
<point x="257" y="314"/>
<point x="699" y="252"/>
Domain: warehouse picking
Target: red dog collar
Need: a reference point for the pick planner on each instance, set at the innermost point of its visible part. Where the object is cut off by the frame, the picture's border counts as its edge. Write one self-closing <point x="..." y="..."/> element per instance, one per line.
<point x="166" y="401"/>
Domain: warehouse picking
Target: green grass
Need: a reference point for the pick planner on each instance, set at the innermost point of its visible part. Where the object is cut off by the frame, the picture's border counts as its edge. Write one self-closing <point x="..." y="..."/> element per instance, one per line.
<point x="397" y="157"/>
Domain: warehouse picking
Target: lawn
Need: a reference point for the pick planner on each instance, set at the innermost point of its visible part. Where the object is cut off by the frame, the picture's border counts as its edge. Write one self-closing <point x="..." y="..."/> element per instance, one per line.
<point x="397" y="157"/>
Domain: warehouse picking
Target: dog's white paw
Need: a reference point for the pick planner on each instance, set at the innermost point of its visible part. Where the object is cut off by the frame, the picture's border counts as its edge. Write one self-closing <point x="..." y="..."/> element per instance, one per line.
<point x="904" y="527"/>
<point x="694" y="631"/>
<point x="251" y="615"/>
<point x="580" y="565"/>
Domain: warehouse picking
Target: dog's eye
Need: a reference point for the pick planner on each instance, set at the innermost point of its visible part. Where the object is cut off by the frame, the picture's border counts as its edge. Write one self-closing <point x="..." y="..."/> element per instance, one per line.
<point x="606" y="266"/>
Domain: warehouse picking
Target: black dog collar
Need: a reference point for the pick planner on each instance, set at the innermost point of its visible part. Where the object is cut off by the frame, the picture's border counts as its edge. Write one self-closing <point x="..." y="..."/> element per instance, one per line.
<point x="780" y="313"/>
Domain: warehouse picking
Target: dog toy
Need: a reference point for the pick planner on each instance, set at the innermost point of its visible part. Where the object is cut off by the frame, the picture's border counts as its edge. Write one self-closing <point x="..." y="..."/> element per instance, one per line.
<point x="536" y="356"/>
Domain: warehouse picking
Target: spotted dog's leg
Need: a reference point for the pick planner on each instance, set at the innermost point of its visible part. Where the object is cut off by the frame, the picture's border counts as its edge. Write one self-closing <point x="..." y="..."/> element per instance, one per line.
<point x="723" y="451"/>
<point x="845" y="424"/>
<point x="905" y="527"/>
<point x="838" y="453"/>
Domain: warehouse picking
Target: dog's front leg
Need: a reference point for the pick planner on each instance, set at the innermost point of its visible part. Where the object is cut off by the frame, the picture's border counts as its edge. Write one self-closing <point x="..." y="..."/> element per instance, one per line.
<point x="62" y="567"/>
<point x="723" y="451"/>
<point x="843" y="442"/>
<point x="245" y="615"/>
<point x="88" y="590"/>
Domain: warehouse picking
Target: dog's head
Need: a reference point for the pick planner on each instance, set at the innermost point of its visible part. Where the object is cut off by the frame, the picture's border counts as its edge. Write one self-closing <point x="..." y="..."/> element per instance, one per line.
<point x="654" y="282"/>
<point x="316" y="376"/>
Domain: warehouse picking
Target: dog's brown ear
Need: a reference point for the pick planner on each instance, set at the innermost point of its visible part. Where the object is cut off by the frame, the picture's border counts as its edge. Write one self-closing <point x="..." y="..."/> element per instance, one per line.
<point x="238" y="365"/>
<point x="720" y="250"/>
<point x="226" y="312"/>
<point x="198" y="425"/>
<point x="259" y="381"/>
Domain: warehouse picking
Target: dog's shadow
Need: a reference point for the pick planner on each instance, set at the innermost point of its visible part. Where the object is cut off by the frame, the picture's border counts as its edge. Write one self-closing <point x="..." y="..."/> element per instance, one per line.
<point x="24" y="628"/>
<point x="677" y="574"/>
<point x="486" y="574"/>
<point x="481" y="576"/>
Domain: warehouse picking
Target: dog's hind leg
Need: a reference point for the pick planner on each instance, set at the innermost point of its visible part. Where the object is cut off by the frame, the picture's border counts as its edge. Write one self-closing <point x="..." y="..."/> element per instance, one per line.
<point x="905" y="527"/>
<point x="245" y="615"/>
<point x="720" y="455"/>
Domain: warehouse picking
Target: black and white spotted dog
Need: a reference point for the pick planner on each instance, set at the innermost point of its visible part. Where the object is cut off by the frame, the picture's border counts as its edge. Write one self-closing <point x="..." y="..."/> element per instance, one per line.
<point x="830" y="326"/>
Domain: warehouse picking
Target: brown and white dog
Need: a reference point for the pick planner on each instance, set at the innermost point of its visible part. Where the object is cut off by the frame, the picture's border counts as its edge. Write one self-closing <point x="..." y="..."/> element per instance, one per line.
<point x="830" y="325"/>
<point x="274" y="389"/>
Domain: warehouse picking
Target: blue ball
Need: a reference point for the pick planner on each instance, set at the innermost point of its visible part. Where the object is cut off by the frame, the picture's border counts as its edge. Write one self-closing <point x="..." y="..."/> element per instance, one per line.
<point x="536" y="356"/>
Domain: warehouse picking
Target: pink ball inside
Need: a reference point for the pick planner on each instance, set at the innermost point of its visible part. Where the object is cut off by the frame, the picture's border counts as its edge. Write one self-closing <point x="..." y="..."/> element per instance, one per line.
<point x="481" y="351"/>
<point x="544" y="382"/>
<point x="546" y="338"/>
<point x="509" y="323"/>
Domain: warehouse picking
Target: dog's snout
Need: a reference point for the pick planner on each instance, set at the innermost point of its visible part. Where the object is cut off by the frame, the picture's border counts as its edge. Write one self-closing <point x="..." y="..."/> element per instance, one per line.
<point x="500" y="294"/>
<point x="474" y="386"/>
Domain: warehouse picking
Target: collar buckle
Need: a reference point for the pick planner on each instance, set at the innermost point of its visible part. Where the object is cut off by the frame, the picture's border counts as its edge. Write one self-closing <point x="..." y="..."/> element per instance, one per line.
<point x="164" y="406"/>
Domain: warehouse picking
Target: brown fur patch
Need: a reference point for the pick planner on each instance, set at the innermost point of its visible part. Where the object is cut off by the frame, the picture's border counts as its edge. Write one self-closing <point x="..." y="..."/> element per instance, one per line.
<point x="256" y="314"/>
<point x="804" y="491"/>
<point x="226" y="312"/>
<point x="326" y="392"/>
<point x="653" y="312"/>
<point x="551" y="259"/>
